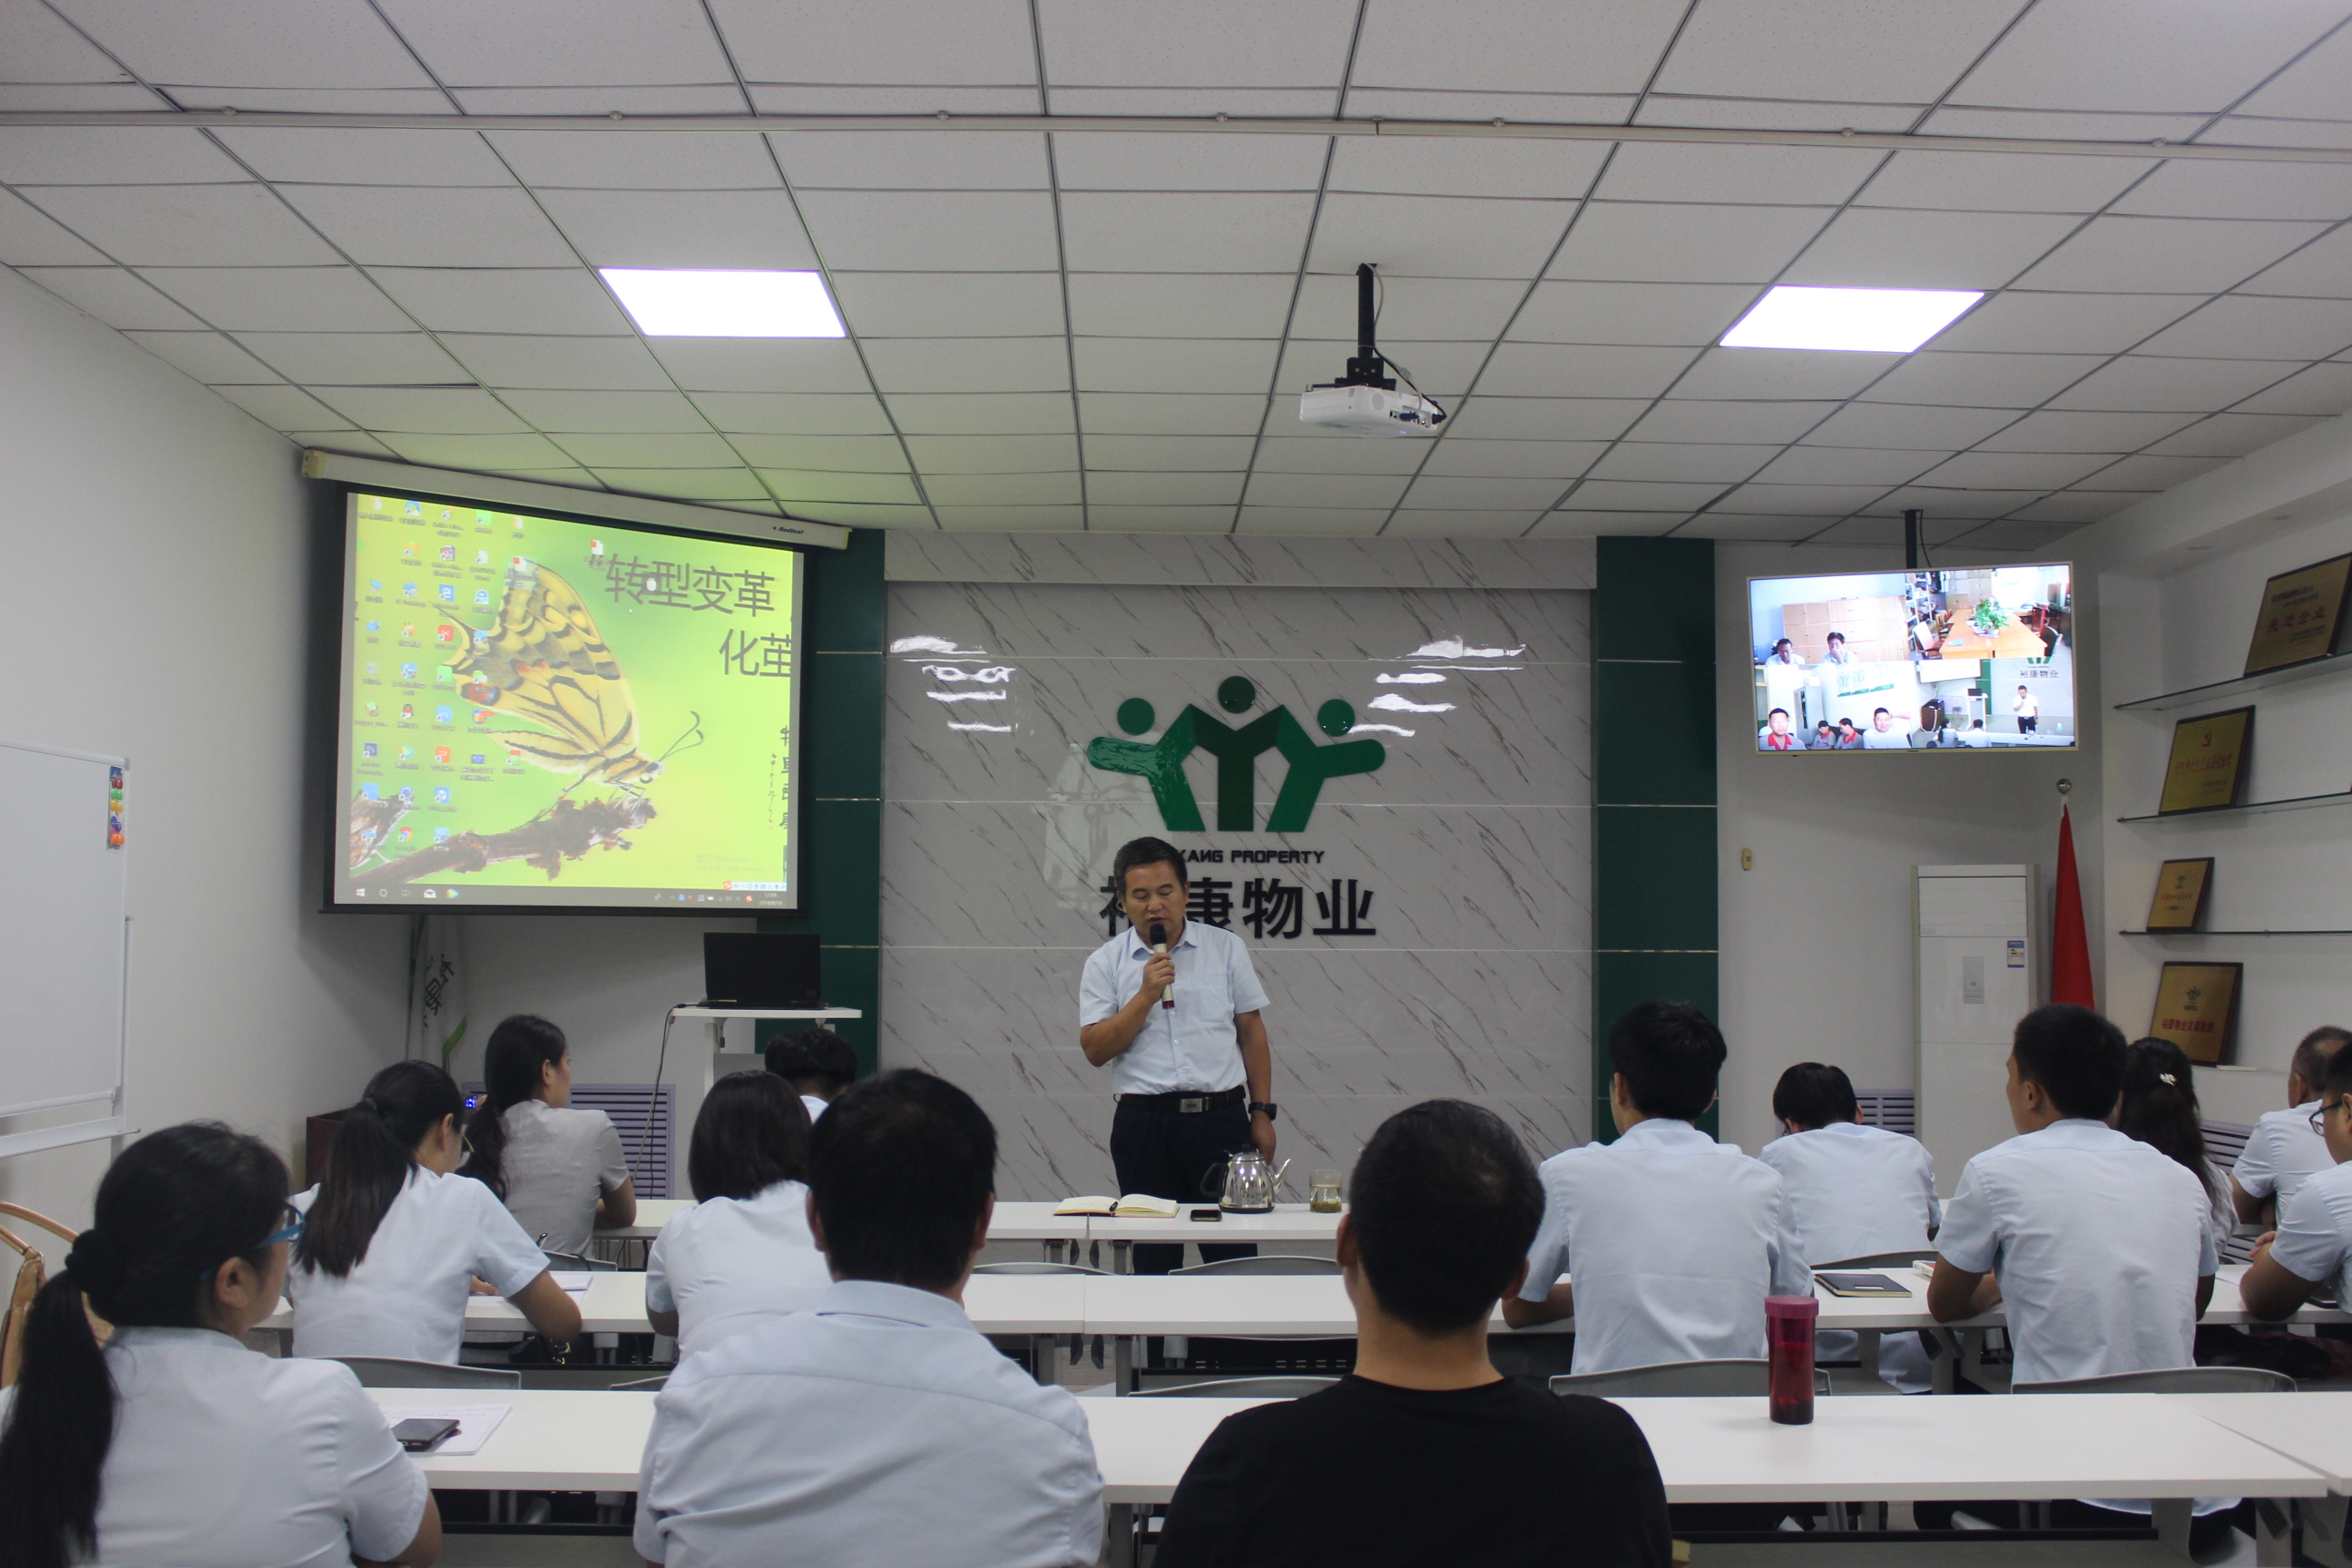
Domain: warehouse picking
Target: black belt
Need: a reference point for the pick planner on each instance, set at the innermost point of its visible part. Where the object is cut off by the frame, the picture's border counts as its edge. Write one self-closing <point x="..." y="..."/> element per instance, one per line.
<point x="1187" y="1101"/>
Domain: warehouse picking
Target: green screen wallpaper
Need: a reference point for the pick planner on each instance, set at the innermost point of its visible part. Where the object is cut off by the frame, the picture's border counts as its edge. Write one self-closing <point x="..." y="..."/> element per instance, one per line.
<point x="545" y="712"/>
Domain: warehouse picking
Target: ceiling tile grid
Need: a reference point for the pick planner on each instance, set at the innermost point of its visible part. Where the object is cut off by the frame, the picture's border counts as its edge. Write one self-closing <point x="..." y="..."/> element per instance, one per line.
<point x="1105" y="328"/>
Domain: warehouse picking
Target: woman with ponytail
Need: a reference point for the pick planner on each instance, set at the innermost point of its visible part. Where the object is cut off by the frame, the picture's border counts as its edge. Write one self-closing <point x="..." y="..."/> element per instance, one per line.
<point x="558" y="1167"/>
<point x="175" y="1443"/>
<point x="2159" y="1106"/>
<point x="392" y="1241"/>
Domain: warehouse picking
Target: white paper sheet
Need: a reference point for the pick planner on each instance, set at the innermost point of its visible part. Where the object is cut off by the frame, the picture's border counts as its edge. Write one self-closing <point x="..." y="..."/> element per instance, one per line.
<point x="475" y="1424"/>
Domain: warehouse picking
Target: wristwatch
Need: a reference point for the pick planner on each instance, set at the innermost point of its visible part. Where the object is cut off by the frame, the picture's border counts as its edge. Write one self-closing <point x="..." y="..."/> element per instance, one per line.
<point x="1265" y="1105"/>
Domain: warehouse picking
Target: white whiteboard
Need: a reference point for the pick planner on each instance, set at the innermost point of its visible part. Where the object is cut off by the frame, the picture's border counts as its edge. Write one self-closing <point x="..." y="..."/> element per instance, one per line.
<point x="64" y="945"/>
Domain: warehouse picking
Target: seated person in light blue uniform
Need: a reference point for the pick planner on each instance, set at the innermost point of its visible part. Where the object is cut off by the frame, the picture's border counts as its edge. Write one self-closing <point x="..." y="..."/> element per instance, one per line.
<point x="2103" y="1245"/>
<point x="2312" y="1248"/>
<point x="2283" y="1151"/>
<point x="1671" y="1239"/>
<point x="1853" y="1191"/>
<point x="878" y="1426"/>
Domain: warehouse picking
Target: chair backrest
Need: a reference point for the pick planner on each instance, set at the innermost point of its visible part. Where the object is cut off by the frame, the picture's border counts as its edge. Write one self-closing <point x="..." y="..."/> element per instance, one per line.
<point x="1904" y="1259"/>
<point x="1034" y="1267"/>
<point x="579" y="1261"/>
<point x="392" y="1371"/>
<point x="2172" y="1380"/>
<point x="1671" y="1380"/>
<point x="641" y="1386"/>
<point x="1240" y="1388"/>
<point x="1270" y="1263"/>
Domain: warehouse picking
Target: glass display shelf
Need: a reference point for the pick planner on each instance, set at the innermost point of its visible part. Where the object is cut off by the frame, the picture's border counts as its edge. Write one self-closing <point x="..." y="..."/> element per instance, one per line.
<point x="2252" y="808"/>
<point x="2221" y="689"/>
<point x="2283" y="931"/>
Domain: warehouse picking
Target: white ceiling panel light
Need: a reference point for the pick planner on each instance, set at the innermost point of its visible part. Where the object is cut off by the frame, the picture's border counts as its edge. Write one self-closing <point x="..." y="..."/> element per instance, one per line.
<point x="693" y="304"/>
<point x="1855" y="320"/>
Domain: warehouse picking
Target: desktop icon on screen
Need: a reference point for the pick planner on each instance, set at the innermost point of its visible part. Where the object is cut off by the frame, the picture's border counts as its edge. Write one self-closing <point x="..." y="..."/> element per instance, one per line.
<point x="481" y="715"/>
<point x="370" y="670"/>
<point x="481" y="558"/>
<point x="481" y="596"/>
<point x="377" y="583"/>
<point x="408" y="631"/>
<point x="449" y="553"/>
<point x="367" y="750"/>
<point x="440" y="835"/>
<point x="441" y="794"/>
<point x="407" y="712"/>
<point x="408" y="551"/>
<point x="414" y="508"/>
<point x="441" y="755"/>
<point x="369" y="709"/>
<point x="442" y="715"/>
<point x="443" y="674"/>
<point x="375" y="626"/>
<point x="408" y="590"/>
<point x="407" y="753"/>
<point x="479" y="759"/>
<point x="407" y="795"/>
<point x="368" y="792"/>
<point x="449" y="594"/>
<point x="407" y="672"/>
<point x="404" y="834"/>
<point x="444" y="632"/>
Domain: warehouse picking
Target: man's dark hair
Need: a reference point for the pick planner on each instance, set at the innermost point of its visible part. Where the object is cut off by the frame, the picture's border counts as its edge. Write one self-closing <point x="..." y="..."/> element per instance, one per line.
<point x="1446" y="1203"/>
<point x="816" y="1059"/>
<point x="2076" y="1056"/>
<point x="1814" y="1094"/>
<point x="1876" y="711"/>
<point x="752" y="1133"/>
<point x="2315" y="1051"/>
<point x="2335" y="1077"/>
<point x="1783" y="712"/>
<point x="902" y="1166"/>
<point x="1670" y="1054"/>
<point x="1837" y="636"/>
<point x="1145" y="852"/>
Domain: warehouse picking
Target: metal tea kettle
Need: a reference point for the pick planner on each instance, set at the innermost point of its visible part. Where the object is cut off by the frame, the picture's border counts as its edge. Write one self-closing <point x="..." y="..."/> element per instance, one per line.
<point x="1249" y="1184"/>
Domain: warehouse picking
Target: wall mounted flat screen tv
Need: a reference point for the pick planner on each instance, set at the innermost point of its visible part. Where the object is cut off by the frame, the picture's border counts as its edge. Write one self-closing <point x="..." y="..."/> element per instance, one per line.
<point x="546" y="713"/>
<point x="1972" y="658"/>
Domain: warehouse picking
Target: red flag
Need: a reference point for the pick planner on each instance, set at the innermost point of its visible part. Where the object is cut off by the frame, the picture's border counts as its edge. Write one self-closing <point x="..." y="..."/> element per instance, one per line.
<point x="2070" y="944"/>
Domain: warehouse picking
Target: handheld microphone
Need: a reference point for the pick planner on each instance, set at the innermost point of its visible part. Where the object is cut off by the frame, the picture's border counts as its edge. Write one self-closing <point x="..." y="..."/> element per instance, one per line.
<point x="1159" y="935"/>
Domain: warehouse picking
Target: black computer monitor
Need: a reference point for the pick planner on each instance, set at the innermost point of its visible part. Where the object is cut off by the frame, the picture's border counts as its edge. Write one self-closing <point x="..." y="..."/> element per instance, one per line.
<point x="762" y="969"/>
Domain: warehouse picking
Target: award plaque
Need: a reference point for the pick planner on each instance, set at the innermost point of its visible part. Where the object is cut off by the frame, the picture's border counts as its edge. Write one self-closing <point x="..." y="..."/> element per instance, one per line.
<point x="2300" y="614"/>
<point x="2197" y="1009"/>
<point x="2181" y="888"/>
<point x="2207" y="769"/>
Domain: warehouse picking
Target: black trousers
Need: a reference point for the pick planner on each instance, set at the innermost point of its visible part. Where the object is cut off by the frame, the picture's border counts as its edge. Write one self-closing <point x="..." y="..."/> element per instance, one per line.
<point x="1170" y="1154"/>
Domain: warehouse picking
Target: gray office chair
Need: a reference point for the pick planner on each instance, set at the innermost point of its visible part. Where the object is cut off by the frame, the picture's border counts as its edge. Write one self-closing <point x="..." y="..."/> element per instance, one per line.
<point x="1240" y="1388"/>
<point x="641" y="1386"/>
<point x="1680" y="1379"/>
<point x="577" y="1260"/>
<point x="391" y="1372"/>
<point x="2172" y="1380"/>
<point x="1921" y="1254"/>
<point x="1034" y="1267"/>
<point x="1271" y="1263"/>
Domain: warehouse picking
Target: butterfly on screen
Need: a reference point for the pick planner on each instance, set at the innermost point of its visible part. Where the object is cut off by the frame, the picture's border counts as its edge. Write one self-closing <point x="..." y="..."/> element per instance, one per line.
<point x="546" y="663"/>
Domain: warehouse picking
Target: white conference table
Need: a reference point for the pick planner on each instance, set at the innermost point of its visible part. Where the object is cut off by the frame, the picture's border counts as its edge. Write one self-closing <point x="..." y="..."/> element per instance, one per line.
<point x="1015" y="1221"/>
<point x="2170" y="1448"/>
<point x="1005" y="1305"/>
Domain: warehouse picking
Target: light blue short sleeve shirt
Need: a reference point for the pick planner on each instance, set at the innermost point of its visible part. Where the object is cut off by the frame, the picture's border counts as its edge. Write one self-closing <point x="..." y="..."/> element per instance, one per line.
<point x="2099" y="1240"/>
<point x="2315" y="1231"/>
<point x="1673" y="1241"/>
<point x="1193" y="1044"/>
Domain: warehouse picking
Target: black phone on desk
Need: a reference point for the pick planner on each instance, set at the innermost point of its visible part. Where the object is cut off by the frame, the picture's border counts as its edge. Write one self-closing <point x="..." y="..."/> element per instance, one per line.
<point x="420" y="1433"/>
<point x="1209" y="1217"/>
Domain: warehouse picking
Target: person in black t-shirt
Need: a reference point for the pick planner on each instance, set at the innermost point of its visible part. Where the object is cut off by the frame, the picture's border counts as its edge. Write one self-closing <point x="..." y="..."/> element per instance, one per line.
<point x="1425" y="1454"/>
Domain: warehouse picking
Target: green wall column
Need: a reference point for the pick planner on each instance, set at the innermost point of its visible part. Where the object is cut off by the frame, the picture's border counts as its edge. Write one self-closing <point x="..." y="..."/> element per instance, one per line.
<point x="839" y="754"/>
<point x="1654" y="862"/>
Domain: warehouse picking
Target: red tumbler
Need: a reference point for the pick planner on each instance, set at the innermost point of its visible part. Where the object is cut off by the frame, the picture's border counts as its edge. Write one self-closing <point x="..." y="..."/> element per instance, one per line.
<point x="1788" y="1323"/>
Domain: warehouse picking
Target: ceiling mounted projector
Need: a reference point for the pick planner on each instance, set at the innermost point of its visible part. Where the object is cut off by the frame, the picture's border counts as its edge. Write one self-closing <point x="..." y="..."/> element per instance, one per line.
<point x="1365" y="402"/>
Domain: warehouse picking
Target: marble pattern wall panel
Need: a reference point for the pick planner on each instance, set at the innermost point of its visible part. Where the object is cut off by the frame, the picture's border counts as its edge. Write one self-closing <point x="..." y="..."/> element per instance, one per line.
<point x="1466" y="972"/>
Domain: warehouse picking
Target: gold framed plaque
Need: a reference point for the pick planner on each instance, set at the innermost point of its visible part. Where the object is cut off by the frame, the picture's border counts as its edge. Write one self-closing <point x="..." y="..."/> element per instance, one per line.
<point x="2197" y="1009"/>
<point x="2207" y="768"/>
<point x="2180" y="889"/>
<point x="2300" y="613"/>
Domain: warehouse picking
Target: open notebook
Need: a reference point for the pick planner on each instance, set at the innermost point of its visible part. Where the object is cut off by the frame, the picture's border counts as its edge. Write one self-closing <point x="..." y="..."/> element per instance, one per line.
<point x="1134" y="1205"/>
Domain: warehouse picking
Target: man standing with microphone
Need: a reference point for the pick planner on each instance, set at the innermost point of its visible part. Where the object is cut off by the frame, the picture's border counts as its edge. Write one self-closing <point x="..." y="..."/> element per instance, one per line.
<point x="1175" y="1007"/>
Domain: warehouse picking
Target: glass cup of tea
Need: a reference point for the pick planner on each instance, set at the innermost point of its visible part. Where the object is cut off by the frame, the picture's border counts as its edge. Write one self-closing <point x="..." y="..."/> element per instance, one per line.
<point x="1323" y="1192"/>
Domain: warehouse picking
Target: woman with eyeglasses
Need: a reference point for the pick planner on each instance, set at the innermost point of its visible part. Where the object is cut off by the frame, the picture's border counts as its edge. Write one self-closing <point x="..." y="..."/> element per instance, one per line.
<point x="175" y="1443"/>
<point x="393" y="1241"/>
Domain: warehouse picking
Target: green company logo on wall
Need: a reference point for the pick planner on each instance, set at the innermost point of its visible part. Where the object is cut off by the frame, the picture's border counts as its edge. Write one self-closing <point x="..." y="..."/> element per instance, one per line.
<point x="1162" y="763"/>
